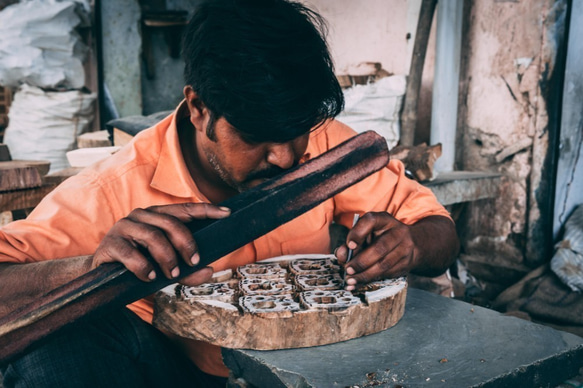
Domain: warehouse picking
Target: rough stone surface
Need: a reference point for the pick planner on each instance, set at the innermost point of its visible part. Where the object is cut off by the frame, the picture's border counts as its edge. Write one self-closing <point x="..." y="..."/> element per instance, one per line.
<point x="439" y="342"/>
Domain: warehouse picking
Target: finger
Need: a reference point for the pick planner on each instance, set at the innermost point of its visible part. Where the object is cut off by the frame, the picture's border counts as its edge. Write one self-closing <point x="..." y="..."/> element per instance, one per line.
<point x="189" y="211"/>
<point x="150" y="238"/>
<point x="378" y="271"/>
<point x="175" y="231"/>
<point x="372" y="253"/>
<point x="369" y="223"/>
<point x="197" y="278"/>
<point x="341" y="254"/>
<point x="120" y="250"/>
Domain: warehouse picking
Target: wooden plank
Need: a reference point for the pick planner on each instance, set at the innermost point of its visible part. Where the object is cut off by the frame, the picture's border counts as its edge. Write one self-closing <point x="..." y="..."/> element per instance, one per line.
<point x="24" y="199"/>
<point x="16" y="175"/>
<point x="264" y="207"/>
<point x="409" y="114"/>
<point x="29" y="198"/>
<point x="464" y="186"/>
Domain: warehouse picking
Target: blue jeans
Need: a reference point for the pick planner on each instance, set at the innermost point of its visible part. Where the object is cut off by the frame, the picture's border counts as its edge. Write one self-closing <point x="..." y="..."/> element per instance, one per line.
<point x="116" y="349"/>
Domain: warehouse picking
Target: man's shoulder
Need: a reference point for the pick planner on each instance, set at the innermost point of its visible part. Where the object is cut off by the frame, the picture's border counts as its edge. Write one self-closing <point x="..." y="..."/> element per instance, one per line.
<point x="329" y="135"/>
<point x="137" y="158"/>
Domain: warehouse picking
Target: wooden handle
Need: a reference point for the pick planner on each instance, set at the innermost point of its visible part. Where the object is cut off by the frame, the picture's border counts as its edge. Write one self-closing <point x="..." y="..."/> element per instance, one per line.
<point x="253" y="214"/>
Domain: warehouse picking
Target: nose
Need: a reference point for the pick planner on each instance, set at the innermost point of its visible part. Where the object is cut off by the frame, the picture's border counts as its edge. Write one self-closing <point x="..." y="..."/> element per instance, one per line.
<point x="281" y="155"/>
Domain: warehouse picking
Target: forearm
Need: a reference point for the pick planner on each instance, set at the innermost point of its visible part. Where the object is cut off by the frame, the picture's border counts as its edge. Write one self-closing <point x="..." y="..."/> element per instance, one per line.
<point x="23" y="283"/>
<point x="436" y="244"/>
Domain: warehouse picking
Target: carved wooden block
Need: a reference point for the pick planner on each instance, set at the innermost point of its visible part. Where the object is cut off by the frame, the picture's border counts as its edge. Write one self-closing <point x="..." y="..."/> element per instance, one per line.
<point x="214" y="291"/>
<point x="258" y="286"/>
<point x="319" y="282"/>
<point x="328" y="300"/>
<point x="262" y="271"/>
<point x="260" y="304"/>
<point x="284" y="302"/>
<point x="313" y="266"/>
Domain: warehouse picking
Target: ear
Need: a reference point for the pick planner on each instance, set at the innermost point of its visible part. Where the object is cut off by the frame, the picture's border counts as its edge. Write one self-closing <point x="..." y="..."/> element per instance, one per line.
<point x="199" y="114"/>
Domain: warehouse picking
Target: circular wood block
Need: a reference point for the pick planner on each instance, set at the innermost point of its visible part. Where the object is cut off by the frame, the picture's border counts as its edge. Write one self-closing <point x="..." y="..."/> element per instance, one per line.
<point x="285" y="302"/>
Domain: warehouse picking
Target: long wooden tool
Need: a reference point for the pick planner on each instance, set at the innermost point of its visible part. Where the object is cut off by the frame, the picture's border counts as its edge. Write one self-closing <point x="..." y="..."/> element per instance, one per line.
<point x="253" y="214"/>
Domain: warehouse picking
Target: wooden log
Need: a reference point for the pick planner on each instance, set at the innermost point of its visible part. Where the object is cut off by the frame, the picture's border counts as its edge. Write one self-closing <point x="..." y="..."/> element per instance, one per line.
<point x="16" y="175"/>
<point x="318" y="315"/>
<point x="24" y="199"/>
<point x="262" y="208"/>
<point x="409" y="114"/>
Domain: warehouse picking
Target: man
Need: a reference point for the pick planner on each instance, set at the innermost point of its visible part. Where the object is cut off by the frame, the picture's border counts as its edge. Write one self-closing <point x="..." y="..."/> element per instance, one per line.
<point x="260" y="98"/>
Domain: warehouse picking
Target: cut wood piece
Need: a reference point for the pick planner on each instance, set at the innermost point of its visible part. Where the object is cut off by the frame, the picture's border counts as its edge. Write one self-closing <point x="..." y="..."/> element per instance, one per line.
<point x="266" y="207"/>
<point x="120" y="138"/>
<point x="15" y="175"/>
<point x="42" y="166"/>
<point x="280" y="320"/>
<point x="94" y="139"/>
<point x="419" y="160"/>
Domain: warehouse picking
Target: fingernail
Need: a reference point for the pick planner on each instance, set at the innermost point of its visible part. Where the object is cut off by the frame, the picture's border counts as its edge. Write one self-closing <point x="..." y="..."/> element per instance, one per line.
<point x="351" y="281"/>
<point x="349" y="288"/>
<point x="152" y="275"/>
<point x="195" y="258"/>
<point x="352" y="245"/>
<point x="226" y="209"/>
<point x="335" y="251"/>
<point x="175" y="272"/>
<point x="350" y="271"/>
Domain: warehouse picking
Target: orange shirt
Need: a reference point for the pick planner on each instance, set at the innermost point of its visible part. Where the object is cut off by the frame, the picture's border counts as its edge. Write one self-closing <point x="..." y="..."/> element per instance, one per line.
<point x="150" y="170"/>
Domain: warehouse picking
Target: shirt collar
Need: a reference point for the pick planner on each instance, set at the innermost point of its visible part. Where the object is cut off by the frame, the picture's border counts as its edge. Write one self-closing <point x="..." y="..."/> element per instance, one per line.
<point x="171" y="175"/>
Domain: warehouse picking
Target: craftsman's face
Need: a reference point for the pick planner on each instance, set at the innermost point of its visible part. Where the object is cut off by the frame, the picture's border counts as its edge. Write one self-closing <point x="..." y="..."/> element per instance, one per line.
<point x="236" y="162"/>
<point x="243" y="165"/>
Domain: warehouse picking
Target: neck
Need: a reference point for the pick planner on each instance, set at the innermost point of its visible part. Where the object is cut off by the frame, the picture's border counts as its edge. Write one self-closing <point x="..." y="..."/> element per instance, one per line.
<point x="204" y="176"/>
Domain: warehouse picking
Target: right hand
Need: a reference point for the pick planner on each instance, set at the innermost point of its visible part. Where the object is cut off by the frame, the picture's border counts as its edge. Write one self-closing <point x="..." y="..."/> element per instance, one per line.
<point x="160" y="231"/>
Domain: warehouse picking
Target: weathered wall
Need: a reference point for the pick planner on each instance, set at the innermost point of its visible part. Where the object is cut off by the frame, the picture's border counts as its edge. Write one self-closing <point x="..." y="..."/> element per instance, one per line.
<point x="379" y="31"/>
<point x="509" y="57"/>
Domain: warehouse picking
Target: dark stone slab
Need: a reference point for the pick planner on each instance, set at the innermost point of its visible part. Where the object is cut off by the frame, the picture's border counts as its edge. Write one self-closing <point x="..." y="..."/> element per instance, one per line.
<point x="438" y="342"/>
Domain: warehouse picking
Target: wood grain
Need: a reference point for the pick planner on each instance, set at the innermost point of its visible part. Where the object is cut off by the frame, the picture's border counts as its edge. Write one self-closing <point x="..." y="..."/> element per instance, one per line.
<point x="16" y="175"/>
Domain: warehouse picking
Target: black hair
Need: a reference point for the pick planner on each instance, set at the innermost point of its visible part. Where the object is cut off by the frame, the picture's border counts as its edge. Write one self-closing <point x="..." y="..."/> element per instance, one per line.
<point x="263" y="65"/>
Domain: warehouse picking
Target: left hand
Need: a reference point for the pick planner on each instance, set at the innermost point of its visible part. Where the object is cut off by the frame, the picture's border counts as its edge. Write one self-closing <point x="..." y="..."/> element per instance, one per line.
<point x="383" y="248"/>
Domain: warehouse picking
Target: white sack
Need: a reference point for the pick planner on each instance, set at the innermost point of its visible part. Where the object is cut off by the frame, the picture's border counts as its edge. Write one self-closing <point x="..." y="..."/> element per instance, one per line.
<point x="39" y="45"/>
<point x="376" y="107"/>
<point x="45" y="125"/>
<point x="567" y="262"/>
